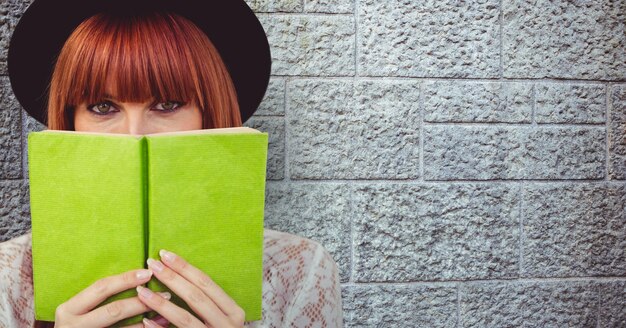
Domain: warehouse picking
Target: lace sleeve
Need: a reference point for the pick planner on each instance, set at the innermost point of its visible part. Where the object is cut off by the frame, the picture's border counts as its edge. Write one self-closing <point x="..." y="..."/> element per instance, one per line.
<point x="300" y="283"/>
<point x="16" y="286"/>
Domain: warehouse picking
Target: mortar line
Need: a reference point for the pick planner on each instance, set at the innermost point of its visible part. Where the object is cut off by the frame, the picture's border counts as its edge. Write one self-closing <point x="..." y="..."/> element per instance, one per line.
<point x="23" y="139"/>
<point x="356" y="38"/>
<point x="421" y="109"/>
<point x="501" y="41"/>
<point x="17" y="178"/>
<point x="286" y="168"/>
<point x="352" y="223"/>
<point x="450" y="79"/>
<point x="301" y="13"/>
<point x="533" y="108"/>
<point x="269" y="116"/>
<point x="355" y="78"/>
<point x="597" y="310"/>
<point x="455" y="282"/>
<point x="435" y="182"/>
<point x="607" y="126"/>
<point x="458" y="305"/>
<point x="521" y="229"/>
<point x="506" y="124"/>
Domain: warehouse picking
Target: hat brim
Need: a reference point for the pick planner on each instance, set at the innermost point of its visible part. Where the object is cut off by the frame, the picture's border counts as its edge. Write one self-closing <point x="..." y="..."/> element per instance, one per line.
<point x="44" y="27"/>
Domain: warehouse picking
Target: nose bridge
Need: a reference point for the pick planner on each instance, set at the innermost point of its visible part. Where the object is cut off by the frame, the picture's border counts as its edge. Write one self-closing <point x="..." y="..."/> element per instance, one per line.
<point x="136" y="122"/>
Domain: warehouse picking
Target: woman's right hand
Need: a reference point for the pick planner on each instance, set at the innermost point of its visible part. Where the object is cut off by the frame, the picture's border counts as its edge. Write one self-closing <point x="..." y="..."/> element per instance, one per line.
<point x="79" y="310"/>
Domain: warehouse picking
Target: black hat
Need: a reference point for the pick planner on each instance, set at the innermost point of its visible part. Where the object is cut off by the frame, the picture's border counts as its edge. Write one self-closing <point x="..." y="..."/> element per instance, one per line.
<point x="45" y="26"/>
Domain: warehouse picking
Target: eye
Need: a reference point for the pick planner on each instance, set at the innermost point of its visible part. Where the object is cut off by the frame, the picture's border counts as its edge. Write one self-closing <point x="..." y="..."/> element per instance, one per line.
<point x="168" y="106"/>
<point x="101" y="108"/>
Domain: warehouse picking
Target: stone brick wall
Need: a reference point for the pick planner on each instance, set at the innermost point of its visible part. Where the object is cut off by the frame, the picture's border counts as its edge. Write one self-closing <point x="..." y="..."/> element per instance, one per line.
<point x="463" y="161"/>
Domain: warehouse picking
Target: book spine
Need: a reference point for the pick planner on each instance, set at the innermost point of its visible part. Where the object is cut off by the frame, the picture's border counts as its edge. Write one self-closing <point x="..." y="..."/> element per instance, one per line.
<point x="145" y="181"/>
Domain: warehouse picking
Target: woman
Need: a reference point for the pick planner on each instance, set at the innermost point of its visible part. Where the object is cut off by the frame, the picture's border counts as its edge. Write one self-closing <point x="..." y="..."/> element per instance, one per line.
<point x="140" y="68"/>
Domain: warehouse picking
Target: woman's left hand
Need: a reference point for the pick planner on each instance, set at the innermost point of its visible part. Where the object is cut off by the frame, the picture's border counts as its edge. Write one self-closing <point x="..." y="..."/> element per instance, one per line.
<point x="202" y="295"/>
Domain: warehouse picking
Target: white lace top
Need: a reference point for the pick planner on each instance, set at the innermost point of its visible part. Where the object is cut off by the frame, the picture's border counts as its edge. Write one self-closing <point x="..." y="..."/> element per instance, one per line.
<point x="300" y="283"/>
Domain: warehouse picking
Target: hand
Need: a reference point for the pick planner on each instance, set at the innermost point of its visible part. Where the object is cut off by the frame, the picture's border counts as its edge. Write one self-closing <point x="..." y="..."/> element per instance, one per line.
<point x="202" y="295"/>
<point x="79" y="310"/>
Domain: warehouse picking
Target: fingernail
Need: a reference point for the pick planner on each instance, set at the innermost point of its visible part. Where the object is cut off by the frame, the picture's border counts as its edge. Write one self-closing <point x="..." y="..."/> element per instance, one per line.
<point x="167" y="256"/>
<point x="155" y="265"/>
<point x="165" y="295"/>
<point x="149" y="323"/>
<point x="143" y="274"/>
<point x="145" y="292"/>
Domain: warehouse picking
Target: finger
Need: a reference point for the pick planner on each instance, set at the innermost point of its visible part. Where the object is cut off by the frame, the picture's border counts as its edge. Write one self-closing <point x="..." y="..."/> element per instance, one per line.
<point x="202" y="281"/>
<point x="174" y="314"/>
<point x="197" y="300"/>
<point x="100" y="290"/>
<point x="113" y="312"/>
<point x="147" y="323"/>
<point x="158" y="319"/>
<point x="137" y="325"/>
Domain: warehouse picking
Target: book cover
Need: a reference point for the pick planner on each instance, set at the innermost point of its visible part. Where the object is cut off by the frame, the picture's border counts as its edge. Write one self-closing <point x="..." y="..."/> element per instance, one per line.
<point x="101" y="204"/>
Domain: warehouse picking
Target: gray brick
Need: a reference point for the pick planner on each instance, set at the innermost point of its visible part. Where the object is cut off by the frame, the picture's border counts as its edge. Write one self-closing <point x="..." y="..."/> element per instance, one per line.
<point x="6" y="234"/>
<point x="14" y="209"/>
<point x="462" y="152"/>
<point x="574" y="230"/>
<point x="429" y="38"/>
<point x="275" y="127"/>
<point x="275" y="5"/>
<point x="29" y="125"/>
<point x="329" y="6"/>
<point x="436" y="232"/>
<point x="274" y="101"/>
<point x="317" y="211"/>
<point x="400" y="306"/>
<point x="7" y="98"/>
<point x="10" y="13"/>
<point x="10" y="133"/>
<point x="564" y="39"/>
<point x="612" y="304"/>
<point x="451" y="101"/>
<point x="6" y="30"/>
<point x="570" y="103"/>
<point x="310" y="45"/>
<point x="339" y="130"/>
<point x="528" y="304"/>
<point x="617" y="133"/>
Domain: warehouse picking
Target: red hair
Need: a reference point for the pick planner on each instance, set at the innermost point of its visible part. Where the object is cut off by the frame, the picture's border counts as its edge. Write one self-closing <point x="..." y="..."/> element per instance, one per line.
<point x="150" y="55"/>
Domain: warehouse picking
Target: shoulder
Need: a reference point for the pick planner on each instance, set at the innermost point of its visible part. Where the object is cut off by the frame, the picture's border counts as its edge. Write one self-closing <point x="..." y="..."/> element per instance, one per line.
<point x="274" y="238"/>
<point x="16" y="285"/>
<point x="300" y="282"/>
<point x="283" y="248"/>
<point x="16" y="253"/>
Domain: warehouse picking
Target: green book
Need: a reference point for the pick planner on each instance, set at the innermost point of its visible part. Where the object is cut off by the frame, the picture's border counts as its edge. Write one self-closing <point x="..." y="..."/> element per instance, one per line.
<point x="101" y="204"/>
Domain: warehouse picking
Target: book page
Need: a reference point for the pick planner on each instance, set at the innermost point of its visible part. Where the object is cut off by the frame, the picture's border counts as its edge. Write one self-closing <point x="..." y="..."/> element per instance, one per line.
<point x="241" y="129"/>
<point x="92" y="133"/>
<point x="186" y="132"/>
